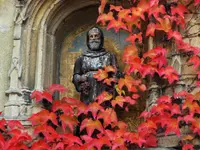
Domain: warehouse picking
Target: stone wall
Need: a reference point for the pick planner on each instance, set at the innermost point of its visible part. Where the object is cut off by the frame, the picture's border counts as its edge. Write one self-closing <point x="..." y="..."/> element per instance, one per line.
<point x="7" y="10"/>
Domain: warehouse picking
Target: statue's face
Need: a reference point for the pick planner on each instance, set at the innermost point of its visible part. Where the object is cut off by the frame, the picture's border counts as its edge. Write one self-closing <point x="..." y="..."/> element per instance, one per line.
<point x="94" y="39"/>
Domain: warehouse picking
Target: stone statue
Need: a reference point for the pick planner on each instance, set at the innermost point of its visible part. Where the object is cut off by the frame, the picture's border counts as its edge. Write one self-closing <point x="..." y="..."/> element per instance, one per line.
<point x="86" y="65"/>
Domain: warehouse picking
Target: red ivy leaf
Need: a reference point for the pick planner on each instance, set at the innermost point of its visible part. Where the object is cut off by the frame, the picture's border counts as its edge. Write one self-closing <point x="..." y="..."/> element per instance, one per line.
<point x="116" y="24"/>
<point x="109" y="81"/>
<point x="164" y="99"/>
<point x="57" y="87"/>
<point x="42" y="117"/>
<point x="47" y="96"/>
<point x="173" y="126"/>
<point x="71" y="139"/>
<point x="180" y="10"/>
<point x="169" y="73"/>
<point x="40" y="145"/>
<point x="101" y="75"/>
<point x="129" y="53"/>
<point x="41" y="95"/>
<point x="91" y="125"/>
<point x="155" y="52"/>
<point x="94" y="108"/>
<point x="189" y="118"/>
<point x="134" y="37"/>
<point x="175" y="34"/>
<point x="124" y="14"/>
<point x="109" y="116"/>
<point x="196" y="2"/>
<point x="154" y="2"/>
<point x="110" y="69"/>
<point x="102" y="6"/>
<point x="188" y="147"/>
<point x="104" y="96"/>
<point x="49" y="132"/>
<point x="66" y="108"/>
<point x="151" y="141"/>
<point x="3" y="124"/>
<point x="68" y="121"/>
<point x="142" y="87"/>
<point x="103" y="18"/>
<point x="136" y="138"/>
<point x="165" y="24"/>
<point x="150" y="29"/>
<point x="37" y="95"/>
<point x="196" y="126"/>
<point x="156" y="10"/>
<point x="120" y="100"/>
<point x="116" y="8"/>
<point x="145" y="114"/>
<point x="2" y="142"/>
<point x="71" y="101"/>
<point x="175" y="109"/>
<point x="15" y="124"/>
<point x="195" y="60"/>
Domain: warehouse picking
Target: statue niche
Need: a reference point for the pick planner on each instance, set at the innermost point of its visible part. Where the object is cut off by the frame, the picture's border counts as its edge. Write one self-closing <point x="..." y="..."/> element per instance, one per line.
<point x="75" y="46"/>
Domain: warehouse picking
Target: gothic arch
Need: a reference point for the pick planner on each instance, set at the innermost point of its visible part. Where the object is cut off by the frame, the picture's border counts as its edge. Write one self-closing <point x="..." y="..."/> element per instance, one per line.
<point x="44" y="19"/>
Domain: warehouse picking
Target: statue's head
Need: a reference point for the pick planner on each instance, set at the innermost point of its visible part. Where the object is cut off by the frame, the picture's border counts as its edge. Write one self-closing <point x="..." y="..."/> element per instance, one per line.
<point x="95" y="39"/>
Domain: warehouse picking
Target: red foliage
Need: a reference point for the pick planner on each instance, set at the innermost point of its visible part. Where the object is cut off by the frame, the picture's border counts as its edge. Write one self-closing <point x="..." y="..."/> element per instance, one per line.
<point x="99" y="126"/>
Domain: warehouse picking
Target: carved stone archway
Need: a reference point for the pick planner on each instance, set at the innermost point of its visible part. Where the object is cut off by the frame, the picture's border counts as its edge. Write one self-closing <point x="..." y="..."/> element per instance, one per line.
<point x="35" y="52"/>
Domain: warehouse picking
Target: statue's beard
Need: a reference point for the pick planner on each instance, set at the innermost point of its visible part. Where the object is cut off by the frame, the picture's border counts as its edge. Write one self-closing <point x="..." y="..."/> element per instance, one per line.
<point x="94" y="44"/>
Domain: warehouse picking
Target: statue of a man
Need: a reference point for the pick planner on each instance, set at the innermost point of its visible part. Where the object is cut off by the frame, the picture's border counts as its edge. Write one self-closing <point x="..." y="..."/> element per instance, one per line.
<point x="86" y="65"/>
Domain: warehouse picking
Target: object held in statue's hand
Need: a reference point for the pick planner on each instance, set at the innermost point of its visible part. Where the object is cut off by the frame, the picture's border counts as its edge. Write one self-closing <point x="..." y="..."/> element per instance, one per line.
<point x="85" y="87"/>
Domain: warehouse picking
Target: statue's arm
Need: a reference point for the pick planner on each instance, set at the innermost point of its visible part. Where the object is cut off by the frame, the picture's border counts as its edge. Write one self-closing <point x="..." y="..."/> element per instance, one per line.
<point x="77" y="74"/>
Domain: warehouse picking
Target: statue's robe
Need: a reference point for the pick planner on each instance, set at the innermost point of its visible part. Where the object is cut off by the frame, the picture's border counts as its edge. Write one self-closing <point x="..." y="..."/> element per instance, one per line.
<point x="89" y="63"/>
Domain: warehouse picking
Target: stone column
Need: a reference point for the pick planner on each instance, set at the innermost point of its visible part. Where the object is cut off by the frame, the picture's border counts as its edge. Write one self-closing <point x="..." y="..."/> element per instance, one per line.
<point x="154" y="88"/>
<point x="12" y="107"/>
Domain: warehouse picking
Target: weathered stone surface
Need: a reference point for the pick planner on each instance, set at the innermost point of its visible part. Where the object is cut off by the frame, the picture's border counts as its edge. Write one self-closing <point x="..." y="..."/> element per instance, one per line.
<point x="7" y="9"/>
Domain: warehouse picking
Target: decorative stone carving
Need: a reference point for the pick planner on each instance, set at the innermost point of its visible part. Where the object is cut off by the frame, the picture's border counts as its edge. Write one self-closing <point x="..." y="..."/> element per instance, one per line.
<point x="17" y="66"/>
<point x="25" y="104"/>
<point x="176" y="62"/>
<point x="20" y="15"/>
<point x="15" y="105"/>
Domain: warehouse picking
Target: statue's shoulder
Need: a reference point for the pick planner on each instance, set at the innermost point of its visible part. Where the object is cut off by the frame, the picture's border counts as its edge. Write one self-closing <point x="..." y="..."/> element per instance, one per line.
<point x="79" y="59"/>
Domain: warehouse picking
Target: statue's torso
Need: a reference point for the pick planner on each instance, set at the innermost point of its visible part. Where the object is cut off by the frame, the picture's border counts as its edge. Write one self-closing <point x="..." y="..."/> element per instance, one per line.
<point x="95" y="63"/>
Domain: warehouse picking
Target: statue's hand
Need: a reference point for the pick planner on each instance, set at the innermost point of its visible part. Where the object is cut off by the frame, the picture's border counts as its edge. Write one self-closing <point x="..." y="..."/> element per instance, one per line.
<point x="83" y="78"/>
